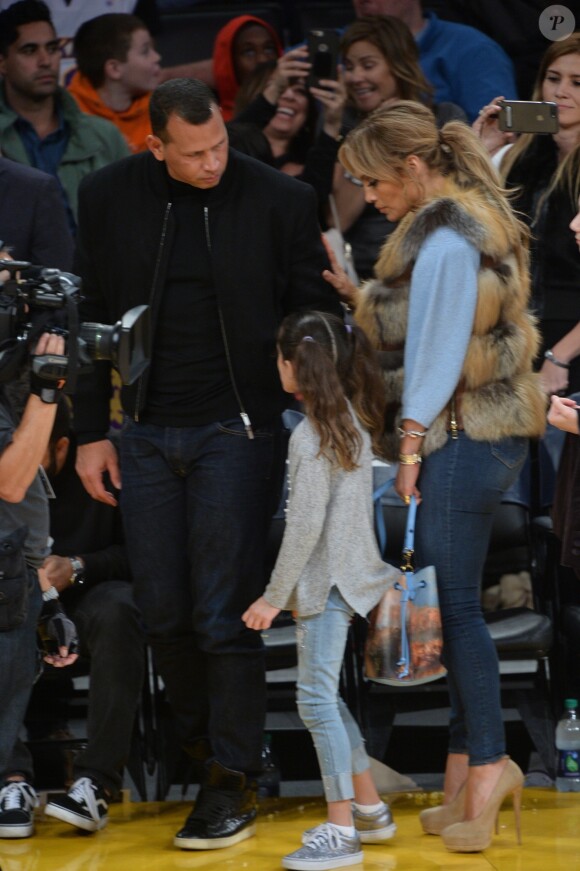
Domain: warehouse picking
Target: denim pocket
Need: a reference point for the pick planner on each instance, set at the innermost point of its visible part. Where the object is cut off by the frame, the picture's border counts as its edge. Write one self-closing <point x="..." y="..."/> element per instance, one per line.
<point x="13" y="580"/>
<point x="511" y="451"/>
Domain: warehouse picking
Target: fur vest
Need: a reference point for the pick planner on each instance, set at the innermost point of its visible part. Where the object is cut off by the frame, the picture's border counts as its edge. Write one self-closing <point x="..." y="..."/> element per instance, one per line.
<point x="498" y="394"/>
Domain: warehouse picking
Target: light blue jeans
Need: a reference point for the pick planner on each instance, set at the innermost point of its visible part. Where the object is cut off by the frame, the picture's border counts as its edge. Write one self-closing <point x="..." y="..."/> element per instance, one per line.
<point x="462" y="484"/>
<point x="321" y="640"/>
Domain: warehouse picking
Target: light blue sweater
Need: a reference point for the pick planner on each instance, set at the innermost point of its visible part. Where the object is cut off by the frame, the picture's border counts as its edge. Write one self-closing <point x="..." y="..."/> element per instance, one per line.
<point x="442" y="302"/>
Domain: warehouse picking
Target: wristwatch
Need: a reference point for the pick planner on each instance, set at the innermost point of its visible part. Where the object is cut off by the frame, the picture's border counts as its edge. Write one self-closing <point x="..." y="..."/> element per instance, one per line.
<point x="549" y="355"/>
<point x="77" y="576"/>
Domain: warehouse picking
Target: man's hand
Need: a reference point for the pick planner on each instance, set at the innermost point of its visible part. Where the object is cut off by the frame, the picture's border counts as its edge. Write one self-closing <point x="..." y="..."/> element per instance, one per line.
<point x="58" y="634"/>
<point x="58" y="571"/>
<point x="92" y="461"/>
<point x="260" y="614"/>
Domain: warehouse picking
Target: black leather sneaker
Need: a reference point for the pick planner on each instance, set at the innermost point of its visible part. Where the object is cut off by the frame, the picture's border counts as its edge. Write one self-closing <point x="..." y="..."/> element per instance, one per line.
<point x="224" y="813"/>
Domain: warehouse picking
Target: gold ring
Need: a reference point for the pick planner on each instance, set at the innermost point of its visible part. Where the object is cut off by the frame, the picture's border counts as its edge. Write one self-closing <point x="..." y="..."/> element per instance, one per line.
<point x="407" y="500"/>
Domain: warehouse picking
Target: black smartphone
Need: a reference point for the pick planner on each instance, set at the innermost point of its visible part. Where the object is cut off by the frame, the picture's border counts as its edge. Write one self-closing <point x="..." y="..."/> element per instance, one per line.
<point x="521" y="116"/>
<point x="323" y="55"/>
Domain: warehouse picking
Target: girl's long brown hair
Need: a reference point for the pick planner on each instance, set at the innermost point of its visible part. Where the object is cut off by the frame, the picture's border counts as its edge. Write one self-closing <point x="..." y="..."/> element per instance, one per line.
<point x="334" y="363"/>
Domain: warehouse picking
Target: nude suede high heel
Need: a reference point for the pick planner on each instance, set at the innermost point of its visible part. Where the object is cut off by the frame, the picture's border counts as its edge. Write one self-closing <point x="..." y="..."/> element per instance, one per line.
<point x="435" y="819"/>
<point x="472" y="836"/>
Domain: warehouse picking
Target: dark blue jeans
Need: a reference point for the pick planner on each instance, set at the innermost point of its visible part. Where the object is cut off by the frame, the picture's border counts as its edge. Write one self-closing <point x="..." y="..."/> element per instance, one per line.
<point x="462" y="484"/>
<point x="111" y="634"/>
<point x="197" y="503"/>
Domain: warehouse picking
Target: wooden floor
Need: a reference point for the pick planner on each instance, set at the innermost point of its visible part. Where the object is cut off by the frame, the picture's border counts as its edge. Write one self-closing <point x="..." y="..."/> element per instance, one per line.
<point x="139" y="836"/>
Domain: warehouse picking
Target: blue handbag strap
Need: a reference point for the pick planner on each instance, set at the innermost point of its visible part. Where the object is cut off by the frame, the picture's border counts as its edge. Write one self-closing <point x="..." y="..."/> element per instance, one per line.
<point x="409" y="541"/>
<point x="409" y="591"/>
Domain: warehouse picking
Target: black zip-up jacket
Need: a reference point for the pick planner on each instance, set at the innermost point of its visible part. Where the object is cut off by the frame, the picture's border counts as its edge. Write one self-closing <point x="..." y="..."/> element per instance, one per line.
<point x="267" y="260"/>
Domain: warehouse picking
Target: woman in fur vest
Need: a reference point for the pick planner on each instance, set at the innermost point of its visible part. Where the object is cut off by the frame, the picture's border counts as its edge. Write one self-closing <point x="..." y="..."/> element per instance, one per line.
<point x="448" y="311"/>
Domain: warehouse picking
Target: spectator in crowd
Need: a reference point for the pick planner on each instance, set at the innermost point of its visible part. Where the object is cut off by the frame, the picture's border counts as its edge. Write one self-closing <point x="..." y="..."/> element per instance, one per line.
<point x="118" y="68"/>
<point x="33" y="222"/>
<point x="565" y="414"/>
<point x="544" y="173"/>
<point x="40" y="123"/>
<point x="201" y="447"/>
<point x="449" y="312"/>
<point x="381" y="62"/>
<point x="275" y="104"/>
<point x="240" y="46"/>
<point x="68" y="16"/>
<point x="464" y="65"/>
<point x="27" y="411"/>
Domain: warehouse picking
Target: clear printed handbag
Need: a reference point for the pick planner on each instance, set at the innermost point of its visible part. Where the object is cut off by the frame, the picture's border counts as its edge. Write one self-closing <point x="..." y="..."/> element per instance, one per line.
<point x="405" y="639"/>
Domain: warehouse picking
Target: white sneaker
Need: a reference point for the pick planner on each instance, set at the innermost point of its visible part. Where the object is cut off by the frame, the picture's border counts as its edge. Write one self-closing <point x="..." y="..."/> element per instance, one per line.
<point x="84" y="806"/>
<point x="17" y="802"/>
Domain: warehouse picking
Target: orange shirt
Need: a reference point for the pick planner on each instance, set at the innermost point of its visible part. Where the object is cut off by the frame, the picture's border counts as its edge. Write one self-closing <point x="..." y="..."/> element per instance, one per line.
<point x="133" y="123"/>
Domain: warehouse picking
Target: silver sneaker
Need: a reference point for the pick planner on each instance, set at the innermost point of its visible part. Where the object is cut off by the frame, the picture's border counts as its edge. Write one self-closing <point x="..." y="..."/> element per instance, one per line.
<point x="371" y="828"/>
<point x="327" y="848"/>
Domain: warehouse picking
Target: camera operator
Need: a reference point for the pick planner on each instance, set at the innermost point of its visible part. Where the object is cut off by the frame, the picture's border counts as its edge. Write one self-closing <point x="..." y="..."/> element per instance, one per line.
<point x="27" y="412"/>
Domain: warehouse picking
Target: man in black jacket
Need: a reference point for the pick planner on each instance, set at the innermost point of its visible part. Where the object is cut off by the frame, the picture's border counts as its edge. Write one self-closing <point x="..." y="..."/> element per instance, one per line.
<point x="222" y="248"/>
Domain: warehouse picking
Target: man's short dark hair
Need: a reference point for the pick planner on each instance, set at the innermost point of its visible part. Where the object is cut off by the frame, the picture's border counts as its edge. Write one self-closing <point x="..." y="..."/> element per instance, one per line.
<point x="106" y="37"/>
<point x="23" y="12"/>
<point x="190" y="99"/>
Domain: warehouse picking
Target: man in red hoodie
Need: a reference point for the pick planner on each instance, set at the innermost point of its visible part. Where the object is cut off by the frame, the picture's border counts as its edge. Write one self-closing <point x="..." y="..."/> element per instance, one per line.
<point x="242" y="44"/>
<point x="118" y="68"/>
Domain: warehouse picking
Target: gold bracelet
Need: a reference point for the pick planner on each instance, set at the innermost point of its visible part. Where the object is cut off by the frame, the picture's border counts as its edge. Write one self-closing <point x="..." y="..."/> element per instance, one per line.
<point x="410" y="459"/>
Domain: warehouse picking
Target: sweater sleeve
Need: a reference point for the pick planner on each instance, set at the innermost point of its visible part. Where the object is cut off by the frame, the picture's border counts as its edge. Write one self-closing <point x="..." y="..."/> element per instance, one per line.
<point x="442" y="303"/>
<point x="309" y="494"/>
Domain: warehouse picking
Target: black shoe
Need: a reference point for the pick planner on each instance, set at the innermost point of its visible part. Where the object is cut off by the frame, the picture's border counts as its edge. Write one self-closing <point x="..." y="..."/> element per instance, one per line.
<point x="17" y="803"/>
<point x="84" y="806"/>
<point x="224" y="812"/>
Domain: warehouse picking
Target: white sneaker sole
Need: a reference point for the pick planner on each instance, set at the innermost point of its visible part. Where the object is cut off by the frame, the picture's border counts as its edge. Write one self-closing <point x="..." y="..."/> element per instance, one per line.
<point x="375" y="837"/>
<point x="66" y="816"/>
<point x="214" y="843"/>
<point x="26" y="830"/>
<point x="321" y="864"/>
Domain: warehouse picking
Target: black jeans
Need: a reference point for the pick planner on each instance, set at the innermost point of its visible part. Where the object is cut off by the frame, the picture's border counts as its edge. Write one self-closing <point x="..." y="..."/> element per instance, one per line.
<point x="197" y="503"/>
<point x="111" y="634"/>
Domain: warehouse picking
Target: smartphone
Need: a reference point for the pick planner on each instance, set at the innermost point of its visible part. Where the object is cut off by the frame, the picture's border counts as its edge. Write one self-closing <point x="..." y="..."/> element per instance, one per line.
<point x="520" y="116"/>
<point x="323" y="55"/>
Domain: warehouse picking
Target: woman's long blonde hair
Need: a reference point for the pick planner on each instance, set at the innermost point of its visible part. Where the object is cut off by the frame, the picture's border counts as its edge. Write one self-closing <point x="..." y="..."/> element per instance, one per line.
<point x="567" y="175"/>
<point x="379" y="146"/>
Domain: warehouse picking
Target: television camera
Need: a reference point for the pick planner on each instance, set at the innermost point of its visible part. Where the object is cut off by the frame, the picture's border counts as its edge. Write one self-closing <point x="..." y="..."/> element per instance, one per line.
<point x="46" y="300"/>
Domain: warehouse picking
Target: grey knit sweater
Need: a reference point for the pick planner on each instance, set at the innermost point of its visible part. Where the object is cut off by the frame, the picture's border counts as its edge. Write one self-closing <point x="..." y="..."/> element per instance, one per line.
<point x="329" y="538"/>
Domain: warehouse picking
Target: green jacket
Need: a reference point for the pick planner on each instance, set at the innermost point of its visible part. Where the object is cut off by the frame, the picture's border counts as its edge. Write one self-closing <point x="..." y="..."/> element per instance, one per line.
<point x="93" y="143"/>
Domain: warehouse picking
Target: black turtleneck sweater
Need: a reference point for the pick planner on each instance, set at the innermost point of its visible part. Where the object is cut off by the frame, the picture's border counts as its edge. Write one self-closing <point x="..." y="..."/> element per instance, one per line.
<point x="190" y="383"/>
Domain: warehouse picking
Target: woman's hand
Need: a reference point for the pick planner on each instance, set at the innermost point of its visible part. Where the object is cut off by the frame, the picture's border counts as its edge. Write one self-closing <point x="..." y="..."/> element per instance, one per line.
<point x="291" y="65"/>
<point x="332" y="95"/>
<point x="486" y="127"/>
<point x="554" y="379"/>
<point x="406" y="482"/>
<point x="563" y="413"/>
<point x="346" y="289"/>
<point x="260" y="614"/>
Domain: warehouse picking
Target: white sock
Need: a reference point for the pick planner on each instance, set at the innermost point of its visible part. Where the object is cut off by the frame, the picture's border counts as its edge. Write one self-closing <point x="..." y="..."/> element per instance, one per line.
<point x="369" y="808"/>
<point x="348" y="831"/>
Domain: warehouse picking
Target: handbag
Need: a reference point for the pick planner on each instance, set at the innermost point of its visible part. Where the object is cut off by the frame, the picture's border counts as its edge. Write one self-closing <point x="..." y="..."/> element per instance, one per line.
<point x="342" y="249"/>
<point x="405" y="638"/>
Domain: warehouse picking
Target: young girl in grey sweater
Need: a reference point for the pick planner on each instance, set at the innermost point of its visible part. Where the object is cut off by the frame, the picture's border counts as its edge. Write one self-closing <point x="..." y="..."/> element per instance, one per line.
<point x="329" y="566"/>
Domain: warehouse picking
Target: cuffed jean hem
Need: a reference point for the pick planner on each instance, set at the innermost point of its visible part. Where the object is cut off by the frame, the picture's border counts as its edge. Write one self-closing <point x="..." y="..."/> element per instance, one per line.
<point x="338" y="787"/>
